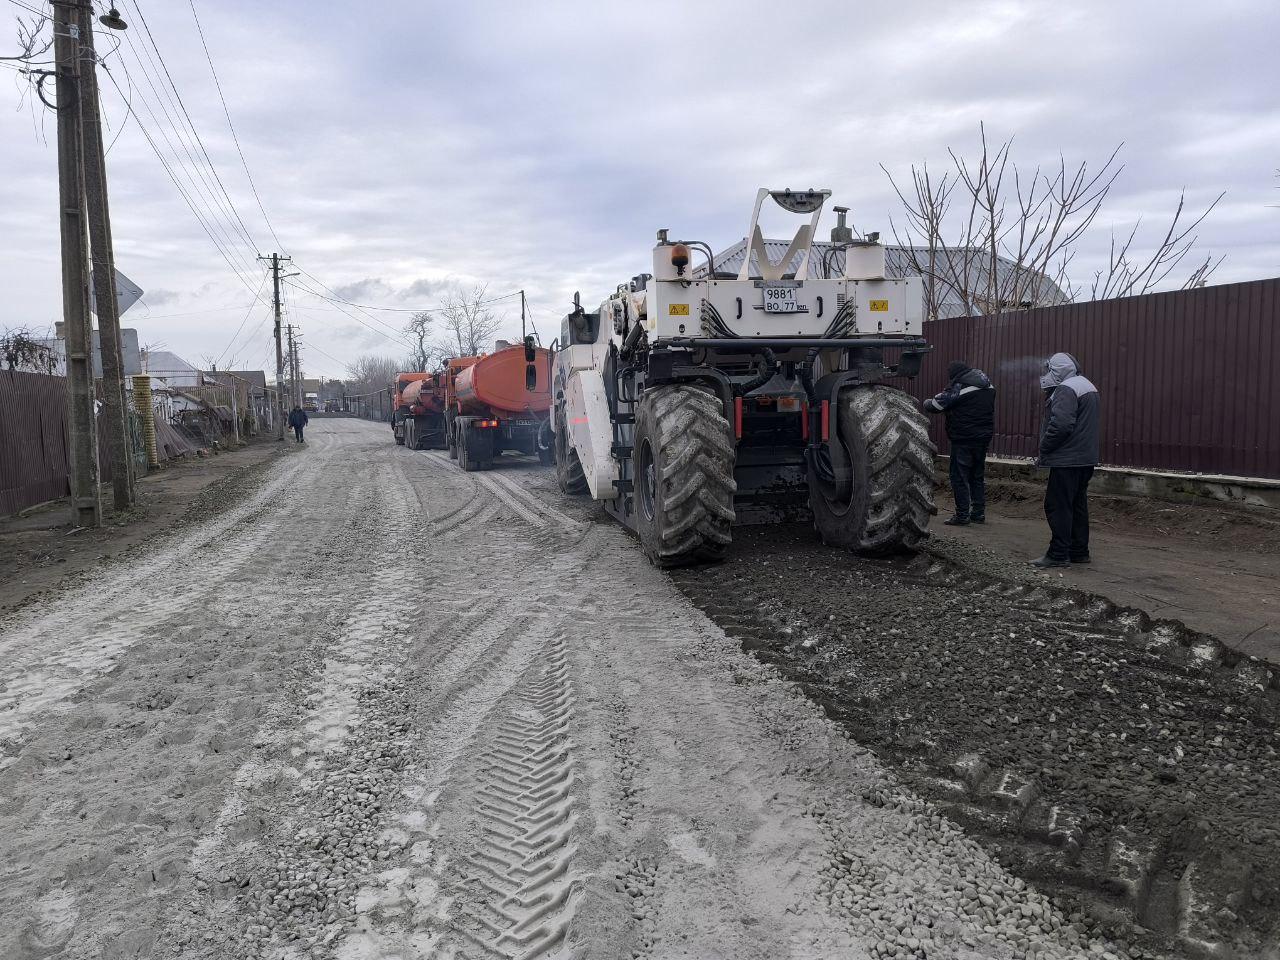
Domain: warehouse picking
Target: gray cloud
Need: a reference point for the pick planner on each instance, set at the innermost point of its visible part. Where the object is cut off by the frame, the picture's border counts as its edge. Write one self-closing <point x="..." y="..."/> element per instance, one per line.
<point x="540" y="146"/>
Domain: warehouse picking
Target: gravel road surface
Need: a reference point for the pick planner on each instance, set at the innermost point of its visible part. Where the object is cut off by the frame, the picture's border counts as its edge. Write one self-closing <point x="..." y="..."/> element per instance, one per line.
<point x="383" y="708"/>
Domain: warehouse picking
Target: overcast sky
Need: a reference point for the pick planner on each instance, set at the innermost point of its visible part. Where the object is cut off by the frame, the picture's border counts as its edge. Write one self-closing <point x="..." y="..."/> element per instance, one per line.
<point x="399" y="148"/>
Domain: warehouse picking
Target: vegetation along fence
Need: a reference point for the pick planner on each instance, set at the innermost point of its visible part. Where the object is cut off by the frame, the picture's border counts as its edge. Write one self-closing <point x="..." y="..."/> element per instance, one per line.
<point x="1188" y="379"/>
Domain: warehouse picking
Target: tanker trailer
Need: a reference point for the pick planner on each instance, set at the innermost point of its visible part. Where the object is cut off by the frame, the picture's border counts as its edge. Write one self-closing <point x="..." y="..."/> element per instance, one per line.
<point x="499" y="402"/>
<point x="400" y="409"/>
<point x="423" y="424"/>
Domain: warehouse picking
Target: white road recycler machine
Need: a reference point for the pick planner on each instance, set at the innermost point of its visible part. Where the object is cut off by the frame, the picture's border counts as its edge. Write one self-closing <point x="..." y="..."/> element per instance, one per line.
<point x="694" y="398"/>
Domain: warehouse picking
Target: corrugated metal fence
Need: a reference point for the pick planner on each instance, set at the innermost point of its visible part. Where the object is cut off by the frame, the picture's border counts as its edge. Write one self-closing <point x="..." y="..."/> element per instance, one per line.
<point x="33" y="439"/>
<point x="1188" y="379"/>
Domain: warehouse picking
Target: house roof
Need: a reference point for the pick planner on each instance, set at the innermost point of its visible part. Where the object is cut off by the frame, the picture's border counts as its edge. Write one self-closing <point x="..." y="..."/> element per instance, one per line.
<point x="898" y="264"/>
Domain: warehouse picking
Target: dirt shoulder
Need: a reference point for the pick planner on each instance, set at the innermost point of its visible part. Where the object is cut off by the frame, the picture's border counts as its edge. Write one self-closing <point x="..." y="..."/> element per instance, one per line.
<point x="1215" y="568"/>
<point x="40" y="550"/>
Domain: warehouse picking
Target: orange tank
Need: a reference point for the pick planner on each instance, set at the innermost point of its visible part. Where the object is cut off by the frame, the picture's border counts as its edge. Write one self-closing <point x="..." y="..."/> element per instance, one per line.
<point x="404" y="381"/>
<point x="423" y="396"/>
<point x="505" y="382"/>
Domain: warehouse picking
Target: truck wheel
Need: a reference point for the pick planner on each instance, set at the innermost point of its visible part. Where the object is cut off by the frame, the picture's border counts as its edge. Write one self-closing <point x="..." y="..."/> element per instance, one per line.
<point x="569" y="473"/>
<point x="465" y="459"/>
<point x="890" y="455"/>
<point x="451" y="436"/>
<point x="683" y="467"/>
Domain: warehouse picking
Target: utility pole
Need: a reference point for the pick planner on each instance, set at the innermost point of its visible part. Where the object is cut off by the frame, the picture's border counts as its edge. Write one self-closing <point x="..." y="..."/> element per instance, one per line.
<point x="115" y="406"/>
<point x="82" y="427"/>
<point x="294" y="393"/>
<point x="276" y="259"/>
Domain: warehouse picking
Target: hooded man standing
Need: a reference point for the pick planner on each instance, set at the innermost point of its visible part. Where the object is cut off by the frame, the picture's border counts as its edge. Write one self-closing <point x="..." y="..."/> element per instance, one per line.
<point x="969" y="404"/>
<point x="1069" y="448"/>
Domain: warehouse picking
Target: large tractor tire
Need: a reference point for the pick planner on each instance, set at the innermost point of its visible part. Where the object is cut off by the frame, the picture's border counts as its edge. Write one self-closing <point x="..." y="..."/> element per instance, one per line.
<point x="887" y="509"/>
<point x="683" y="453"/>
<point x="569" y="472"/>
<point x="451" y="436"/>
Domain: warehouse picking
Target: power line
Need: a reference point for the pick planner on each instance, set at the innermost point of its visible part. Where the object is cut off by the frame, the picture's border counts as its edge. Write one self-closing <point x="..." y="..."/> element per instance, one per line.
<point x="202" y="184"/>
<point x="245" y="163"/>
<point x="365" y="306"/>
<point x="245" y="320"/>
<point x="213" y="169"/>
<point x="186" y="197"/>
<point x="27" y="6"/>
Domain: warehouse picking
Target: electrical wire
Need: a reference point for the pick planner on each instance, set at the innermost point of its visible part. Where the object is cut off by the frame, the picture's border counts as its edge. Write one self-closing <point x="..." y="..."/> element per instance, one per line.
<point x="212" y="168"/>
<point x="235" y="335"/>
<point x="234" y="137"/>
<point x="27" y="6"/>
<point x="202" y="183"/>
<point x="365" y="306"/>
<point x="184" y="194"/>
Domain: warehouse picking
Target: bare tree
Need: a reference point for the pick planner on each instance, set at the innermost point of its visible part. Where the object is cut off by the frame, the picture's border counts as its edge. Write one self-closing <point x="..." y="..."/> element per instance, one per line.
<point x="990" y="237"/>
<point x="370" y="373"/>
<point x="419" y="330"/>
<point x="467" y="324"/>
<point x="21" y="351"/>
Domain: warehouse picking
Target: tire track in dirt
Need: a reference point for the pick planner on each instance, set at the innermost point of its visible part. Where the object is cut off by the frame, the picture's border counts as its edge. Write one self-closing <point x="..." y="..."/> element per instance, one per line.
<point x="151" y="745"/>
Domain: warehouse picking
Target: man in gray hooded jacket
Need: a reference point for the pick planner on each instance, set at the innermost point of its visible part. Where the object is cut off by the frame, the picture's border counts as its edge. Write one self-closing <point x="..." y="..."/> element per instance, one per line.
<point x="1069" y="448"/>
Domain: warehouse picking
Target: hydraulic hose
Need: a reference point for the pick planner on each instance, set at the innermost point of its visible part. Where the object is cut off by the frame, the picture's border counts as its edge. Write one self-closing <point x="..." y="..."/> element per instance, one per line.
<point x="761" y="378"/>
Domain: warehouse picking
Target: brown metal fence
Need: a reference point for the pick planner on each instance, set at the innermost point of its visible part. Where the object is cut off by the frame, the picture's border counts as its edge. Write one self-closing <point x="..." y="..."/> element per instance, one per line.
<point x="1188" y="379"/>
<point x="33" y="439"/>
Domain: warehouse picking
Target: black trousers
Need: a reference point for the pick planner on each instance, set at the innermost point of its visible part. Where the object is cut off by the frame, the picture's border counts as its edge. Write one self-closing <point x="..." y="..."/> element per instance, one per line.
<point x="1066" y="505"/>
<point x="969" y="478"/>
<point x="297" y="433"/>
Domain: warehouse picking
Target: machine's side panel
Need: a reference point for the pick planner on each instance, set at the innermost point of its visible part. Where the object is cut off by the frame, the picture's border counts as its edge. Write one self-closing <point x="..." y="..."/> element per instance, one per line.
<point x="591" y="431"/>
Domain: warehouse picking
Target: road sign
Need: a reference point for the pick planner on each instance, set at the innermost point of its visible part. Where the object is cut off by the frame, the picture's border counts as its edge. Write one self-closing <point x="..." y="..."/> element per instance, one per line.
<point x="127" y="293"/>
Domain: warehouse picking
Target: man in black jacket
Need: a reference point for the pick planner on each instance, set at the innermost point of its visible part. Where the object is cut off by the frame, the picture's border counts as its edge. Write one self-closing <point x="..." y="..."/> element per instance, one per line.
<point x="297" y="419"/>
<point x="1069" y="448"/>
<point x="969" y="404"/>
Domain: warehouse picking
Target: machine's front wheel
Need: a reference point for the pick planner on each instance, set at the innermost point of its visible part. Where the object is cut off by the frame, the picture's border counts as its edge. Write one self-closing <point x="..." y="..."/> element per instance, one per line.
<point x="890" y="459"/>
<point x="569" y="473"/>
<point x="683" y="454"/>
<point x="451" y="436"/>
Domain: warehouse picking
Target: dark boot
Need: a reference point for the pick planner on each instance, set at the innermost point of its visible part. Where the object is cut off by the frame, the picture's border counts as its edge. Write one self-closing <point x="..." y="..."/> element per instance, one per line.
<point x="1048" y="561"/>
<point x="956" y="521"/>
<point x="978" y="518"/>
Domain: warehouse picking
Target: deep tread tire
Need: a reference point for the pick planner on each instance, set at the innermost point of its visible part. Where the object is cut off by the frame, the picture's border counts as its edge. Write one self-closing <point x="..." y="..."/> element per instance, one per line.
<point x="569" y="472"/>
<point x="891" y="455"/>
<point x="451" y="436"/>
<point x="684" y="512"/>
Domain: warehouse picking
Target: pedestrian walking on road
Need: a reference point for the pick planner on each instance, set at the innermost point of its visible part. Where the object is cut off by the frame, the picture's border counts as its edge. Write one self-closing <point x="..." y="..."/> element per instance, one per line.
<point x="1069" y="448"/>
<point x="969" y="403"/>
<point x="297" y="420"/>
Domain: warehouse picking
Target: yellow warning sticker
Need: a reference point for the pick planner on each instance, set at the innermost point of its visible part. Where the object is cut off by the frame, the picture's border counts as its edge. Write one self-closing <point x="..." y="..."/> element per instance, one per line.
<point x="678" y="310"/>
<point x="880" y="306"/>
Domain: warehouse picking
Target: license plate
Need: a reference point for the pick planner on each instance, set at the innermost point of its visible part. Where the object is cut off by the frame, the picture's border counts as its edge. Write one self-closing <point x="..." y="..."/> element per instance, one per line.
<point x="780" y="300"/>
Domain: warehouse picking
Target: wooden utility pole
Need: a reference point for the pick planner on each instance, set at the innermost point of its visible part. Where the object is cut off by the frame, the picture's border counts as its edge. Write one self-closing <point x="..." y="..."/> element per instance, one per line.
<point x="115" y="405"/>
<point x="82" y="427"/>
<point x="276" y="260"/>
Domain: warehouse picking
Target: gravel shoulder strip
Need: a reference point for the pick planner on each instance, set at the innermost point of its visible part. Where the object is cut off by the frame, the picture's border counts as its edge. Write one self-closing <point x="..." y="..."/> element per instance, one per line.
<point x="1125" y="766"/>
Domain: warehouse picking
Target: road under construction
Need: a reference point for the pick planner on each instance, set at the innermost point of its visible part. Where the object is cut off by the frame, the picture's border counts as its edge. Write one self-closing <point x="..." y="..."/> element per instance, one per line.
<point x="271" y="736"/>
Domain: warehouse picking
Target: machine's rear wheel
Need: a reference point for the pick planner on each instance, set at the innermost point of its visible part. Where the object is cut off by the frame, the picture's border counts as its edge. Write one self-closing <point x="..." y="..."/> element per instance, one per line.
<point x="569" y="473"/>
<point x="683" y="455"/>
<point x="451" y="436"/>
<point x="890" y="455"/>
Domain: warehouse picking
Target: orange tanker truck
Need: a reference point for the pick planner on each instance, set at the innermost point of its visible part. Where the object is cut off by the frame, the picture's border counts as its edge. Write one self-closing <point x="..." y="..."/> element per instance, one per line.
<point x="424" y="420"/>
<point x="498" y="402"/>
<point x="399" y="408"/>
